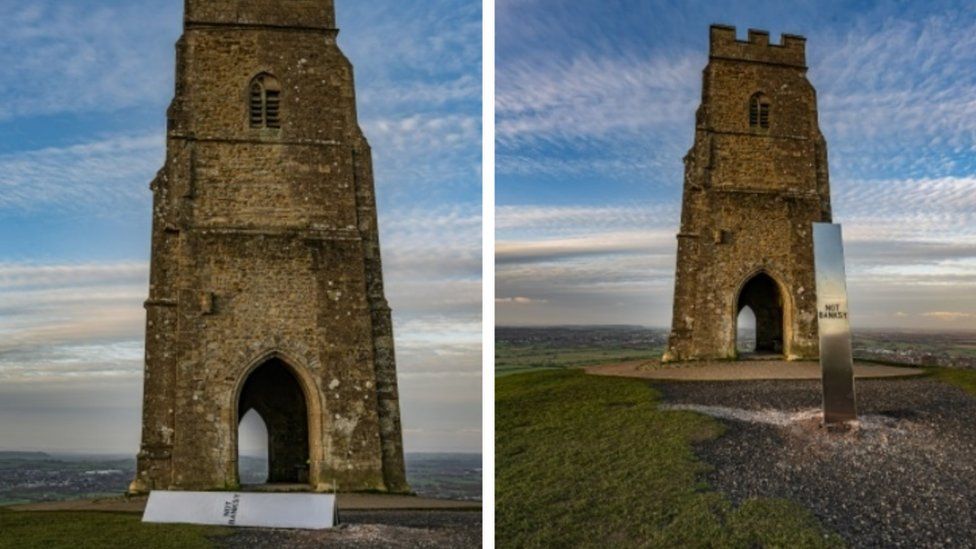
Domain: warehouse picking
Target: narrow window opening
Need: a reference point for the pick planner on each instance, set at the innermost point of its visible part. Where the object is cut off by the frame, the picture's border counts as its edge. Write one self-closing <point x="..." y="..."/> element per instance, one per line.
<point x="257" y="106"/>
<point x="759" y="107"/>
<point x="272" y="107"/>
<point x="264" y="102"/>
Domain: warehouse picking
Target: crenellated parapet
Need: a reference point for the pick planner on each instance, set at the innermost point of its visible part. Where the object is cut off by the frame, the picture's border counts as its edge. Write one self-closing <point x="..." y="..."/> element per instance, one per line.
<point x="724" y="45"/>
<point x="307" y="14"/>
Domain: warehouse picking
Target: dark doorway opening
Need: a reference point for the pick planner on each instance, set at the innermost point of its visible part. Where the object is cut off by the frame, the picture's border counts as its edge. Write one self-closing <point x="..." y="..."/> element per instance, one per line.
<point x="762" y="296"/>
<point x="274" y="392"/>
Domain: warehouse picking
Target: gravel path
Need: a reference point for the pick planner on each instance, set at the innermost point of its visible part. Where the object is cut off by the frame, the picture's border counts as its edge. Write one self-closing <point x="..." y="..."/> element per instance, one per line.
<point x="361" y="529"/>
<point x="906" y="478"/>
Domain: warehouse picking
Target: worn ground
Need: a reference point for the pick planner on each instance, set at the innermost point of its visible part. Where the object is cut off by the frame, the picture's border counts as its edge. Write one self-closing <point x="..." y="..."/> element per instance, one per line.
<point x="906" y="478"/>
<point x="363" y="529"/>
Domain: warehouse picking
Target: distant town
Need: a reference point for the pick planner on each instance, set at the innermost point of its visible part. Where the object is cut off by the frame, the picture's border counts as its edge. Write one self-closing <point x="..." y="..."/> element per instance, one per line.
<point x="526" y="348"/>
<point x="29" y="477"/>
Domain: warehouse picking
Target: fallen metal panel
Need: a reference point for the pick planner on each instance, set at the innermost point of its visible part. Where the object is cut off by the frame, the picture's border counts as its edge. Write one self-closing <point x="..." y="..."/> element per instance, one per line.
<point x="836" y="360"/>
<point x="302" y="511"/>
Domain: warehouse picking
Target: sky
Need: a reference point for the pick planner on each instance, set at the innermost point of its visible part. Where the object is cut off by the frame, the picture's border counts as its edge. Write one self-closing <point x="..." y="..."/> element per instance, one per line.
<point x="83" y="94"/>
<point x="595" y="106"/>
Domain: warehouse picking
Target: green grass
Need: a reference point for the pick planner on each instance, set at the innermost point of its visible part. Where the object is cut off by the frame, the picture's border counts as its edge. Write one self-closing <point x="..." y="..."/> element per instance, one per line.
<point x="589" y="461"/>
<point x="513" y="359"/>
<point x="965" y="379"/>
<point x="75" y="530"/>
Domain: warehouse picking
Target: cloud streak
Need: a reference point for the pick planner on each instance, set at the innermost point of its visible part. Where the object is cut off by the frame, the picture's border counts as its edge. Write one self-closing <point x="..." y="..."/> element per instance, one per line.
<point x="94" y="58"/>
<point x="81" y="136"/>
<point x="98" y="177"/>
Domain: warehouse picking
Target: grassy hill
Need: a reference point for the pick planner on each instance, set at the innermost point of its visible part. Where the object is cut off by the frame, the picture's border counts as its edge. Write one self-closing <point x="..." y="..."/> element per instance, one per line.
<point x="51" y="530"/>
<point x="586" y="461"/>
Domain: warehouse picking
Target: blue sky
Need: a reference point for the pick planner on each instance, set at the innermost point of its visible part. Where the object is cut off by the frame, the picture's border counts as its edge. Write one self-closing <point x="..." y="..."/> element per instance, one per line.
<point x="595" y="103"/>
<point x="82" y="111"/>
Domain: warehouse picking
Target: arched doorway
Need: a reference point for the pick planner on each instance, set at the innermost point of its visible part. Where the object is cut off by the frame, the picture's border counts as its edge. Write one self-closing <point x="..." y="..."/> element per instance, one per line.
<point x="762" y="295"/>
<point x="273" y="391"/>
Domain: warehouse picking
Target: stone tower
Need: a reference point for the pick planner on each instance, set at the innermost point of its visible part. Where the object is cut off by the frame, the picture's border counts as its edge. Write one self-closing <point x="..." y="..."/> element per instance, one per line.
<point x="266" y="288"/>
<point x="755" y="180"/>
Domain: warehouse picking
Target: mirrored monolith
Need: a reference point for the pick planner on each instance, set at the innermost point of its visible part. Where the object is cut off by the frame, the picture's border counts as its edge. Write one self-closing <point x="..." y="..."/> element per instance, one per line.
<point x="836" y="360"/>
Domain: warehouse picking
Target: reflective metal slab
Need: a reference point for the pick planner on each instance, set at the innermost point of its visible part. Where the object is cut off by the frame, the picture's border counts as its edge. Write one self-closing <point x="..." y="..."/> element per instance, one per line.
<point x="836" y="360"/>
<point x="303" y="511"/>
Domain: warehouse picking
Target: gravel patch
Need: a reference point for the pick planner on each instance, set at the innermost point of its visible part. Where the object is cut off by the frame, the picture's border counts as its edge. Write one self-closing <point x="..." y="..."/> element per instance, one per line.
<point x="361" y="529"/>
<point x="904" y="477"/>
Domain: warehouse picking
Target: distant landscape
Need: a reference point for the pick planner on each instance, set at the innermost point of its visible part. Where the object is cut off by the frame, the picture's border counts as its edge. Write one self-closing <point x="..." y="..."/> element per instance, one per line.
<point x="523" y="349"/>
<point x="28" y="477"/>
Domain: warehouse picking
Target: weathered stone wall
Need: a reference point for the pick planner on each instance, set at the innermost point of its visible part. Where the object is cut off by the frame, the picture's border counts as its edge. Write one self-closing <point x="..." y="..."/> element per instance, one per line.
<point x="749" y="198"/>
<point x="265" y="251"/>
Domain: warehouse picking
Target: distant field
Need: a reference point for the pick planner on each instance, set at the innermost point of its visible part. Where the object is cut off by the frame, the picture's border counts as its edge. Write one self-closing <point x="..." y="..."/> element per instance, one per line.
<point x="533" y="349"/>
<point x="29" y="478"/>
<point x="945" y="349"/>
<point x="512" y="360"/>
<point x="520" y="349"/>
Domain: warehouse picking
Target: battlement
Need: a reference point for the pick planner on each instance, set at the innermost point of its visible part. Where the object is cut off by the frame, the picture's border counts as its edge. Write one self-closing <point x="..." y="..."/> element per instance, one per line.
<point x="724" y="45"/>
<point x="302" y="14"/>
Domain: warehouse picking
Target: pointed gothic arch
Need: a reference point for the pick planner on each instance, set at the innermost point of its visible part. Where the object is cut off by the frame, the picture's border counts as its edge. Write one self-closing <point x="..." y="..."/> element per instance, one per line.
<point x="769" y="301"/>
<point x="286" y="399"/>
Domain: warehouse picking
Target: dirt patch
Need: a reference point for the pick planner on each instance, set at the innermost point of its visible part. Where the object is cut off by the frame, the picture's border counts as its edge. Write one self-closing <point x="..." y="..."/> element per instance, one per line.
<point x="361" y="529"/>
<point x="903" y="476"/>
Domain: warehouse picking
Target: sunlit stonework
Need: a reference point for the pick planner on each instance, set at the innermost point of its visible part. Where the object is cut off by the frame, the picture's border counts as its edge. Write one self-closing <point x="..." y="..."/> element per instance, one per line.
<point x="266" y="288"/>
<point x="755" y="180"/>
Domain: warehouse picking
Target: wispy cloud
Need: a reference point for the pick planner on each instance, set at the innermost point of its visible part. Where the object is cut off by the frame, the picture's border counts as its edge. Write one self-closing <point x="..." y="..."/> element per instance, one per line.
<point x="81" y="136"/>
<point x="949" y="315"/>
<point x="99" y="177"/>
<point x="519" y="300"/>
<point x="589" y="97"/>
<point x="71" y="321"/>
<point x="65" y="57"/>
<point x="600" y="97"/>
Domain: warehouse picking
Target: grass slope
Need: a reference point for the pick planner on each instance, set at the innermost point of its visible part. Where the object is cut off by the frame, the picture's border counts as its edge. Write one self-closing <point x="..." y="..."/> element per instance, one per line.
<point x="965" y="379"/>
<point x="53" y="530"/>
<point x="587" y="461"/>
